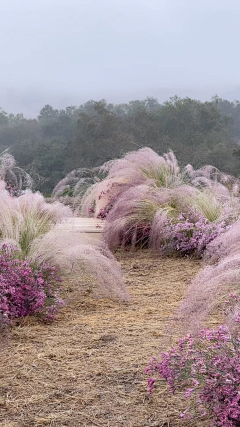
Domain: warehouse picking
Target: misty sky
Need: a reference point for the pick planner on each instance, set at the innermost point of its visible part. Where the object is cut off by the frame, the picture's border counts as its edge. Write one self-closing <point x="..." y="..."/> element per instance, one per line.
<point x="65" y="52"/>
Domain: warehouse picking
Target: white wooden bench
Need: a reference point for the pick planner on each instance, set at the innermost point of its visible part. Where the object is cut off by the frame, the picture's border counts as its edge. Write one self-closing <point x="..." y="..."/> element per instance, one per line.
<point x="93" y="227"/>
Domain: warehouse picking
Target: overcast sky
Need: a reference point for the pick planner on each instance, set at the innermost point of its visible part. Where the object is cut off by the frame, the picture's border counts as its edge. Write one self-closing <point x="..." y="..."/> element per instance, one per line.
<point x="65" y="52"/>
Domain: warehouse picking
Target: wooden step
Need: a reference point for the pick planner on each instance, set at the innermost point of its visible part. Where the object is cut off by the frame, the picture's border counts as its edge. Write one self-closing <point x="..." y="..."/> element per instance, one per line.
<point x="91" y="226"/>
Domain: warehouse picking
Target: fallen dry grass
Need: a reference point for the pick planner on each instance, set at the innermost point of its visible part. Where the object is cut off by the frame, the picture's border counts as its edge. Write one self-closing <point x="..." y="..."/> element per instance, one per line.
<point x="87" y="368"/>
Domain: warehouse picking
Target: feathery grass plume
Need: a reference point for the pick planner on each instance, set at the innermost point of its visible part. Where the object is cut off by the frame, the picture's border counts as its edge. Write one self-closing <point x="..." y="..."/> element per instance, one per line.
<point x="87" y="206"/>
<point x="156" y="234"/>
<point x="76" y="182"/>
<point x="223" y="185"/>
<point x="192" y="207"/>
<point x="74" y="188"/>
<point x="130" y="219"/>
<point x="103" y="185"/>
<point x="28" y="223"/>
<point x="207" y="204"/>
<point x="225" y="245"/>
<point x="146" y="167"/>
<point x="215" y="281"/>
<point x="100" y="195"/>
<point x="13" y="174"/>
<point x="210" y="172"/>
<point x="142" y="167"/>
<point x="207" y="291"/>
<point x="140" y="215"/>
<point x="27" y="217"/>
<point x="73" y="252"/>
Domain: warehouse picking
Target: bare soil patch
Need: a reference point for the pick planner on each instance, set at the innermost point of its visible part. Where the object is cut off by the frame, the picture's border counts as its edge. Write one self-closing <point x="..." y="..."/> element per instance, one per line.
<point x="87" y="368"/>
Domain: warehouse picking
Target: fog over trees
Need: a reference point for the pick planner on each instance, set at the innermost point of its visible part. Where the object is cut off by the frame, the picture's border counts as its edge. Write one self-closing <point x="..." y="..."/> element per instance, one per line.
<point x="58" y="141"/>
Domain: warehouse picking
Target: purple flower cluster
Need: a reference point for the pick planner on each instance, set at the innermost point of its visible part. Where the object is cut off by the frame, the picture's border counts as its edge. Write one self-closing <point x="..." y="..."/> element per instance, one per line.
<point x="187" y="237"/>
<point x="26" y="288"/>
<point x="207" y="369"/>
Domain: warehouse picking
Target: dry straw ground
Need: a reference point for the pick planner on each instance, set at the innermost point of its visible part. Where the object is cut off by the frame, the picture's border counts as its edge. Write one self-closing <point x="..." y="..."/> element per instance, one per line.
<point x="87" y="368"/>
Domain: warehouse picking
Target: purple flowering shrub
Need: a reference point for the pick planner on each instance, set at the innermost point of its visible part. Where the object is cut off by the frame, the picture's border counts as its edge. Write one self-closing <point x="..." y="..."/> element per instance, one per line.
<point x="188" y="237"/>
<point x="206" y="369"/>
<point x="26" y="288"/>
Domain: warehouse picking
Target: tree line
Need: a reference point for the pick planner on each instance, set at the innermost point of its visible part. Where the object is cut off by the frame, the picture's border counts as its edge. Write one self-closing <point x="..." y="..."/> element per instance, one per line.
<point x="58" y="141"/>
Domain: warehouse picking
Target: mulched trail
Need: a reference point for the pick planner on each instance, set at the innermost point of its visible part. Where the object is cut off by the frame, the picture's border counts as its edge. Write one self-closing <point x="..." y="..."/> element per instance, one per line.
<point x="87" y="368"/>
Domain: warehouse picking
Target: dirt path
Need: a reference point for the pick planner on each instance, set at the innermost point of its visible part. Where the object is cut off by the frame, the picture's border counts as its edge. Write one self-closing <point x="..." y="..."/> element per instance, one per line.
<point x="87" y="369"/>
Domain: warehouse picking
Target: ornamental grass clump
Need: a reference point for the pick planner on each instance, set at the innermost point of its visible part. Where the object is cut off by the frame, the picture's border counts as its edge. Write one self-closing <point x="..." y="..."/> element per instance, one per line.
<point x="72" y="188"/>
<point x="143" y="195"/>
<point x="26" y="287"/>
<point x="206" y="370"/>
<point x="74" y="253"/>
<point x="223" y="185"/>
<point x="137" y="168"/>
<point x="146" y="167"/>
<point x="25" y="218"/>
<point x="169" y="220"/>
<point x="16" y="178"/>
<point x="32" y="226"/>
<point x="129" y="221"/>
<point x="214" y="281"/>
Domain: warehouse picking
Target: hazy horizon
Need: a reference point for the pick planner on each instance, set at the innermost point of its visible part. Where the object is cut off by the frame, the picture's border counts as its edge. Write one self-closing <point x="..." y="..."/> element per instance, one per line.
<point x="67" y="52"/>
<point x="30" y="103"/>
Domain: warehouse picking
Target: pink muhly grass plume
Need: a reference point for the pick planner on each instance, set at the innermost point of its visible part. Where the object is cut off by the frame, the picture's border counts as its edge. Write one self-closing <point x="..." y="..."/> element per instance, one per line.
<point x="206" y="292"/>
<point x="78" y="180"/>
<point x="142" y="167"/>
<point x="87" y="206"/>
<point x="225" y="245"/>
<point x="211" y="173"/>
<point x="142" y="160"/>
<point x="135" y="208"/>
<point x="9" y="172"/>
<point x="146" y="167"/>
<point x="28" y="222"/>
<point x="72" y="253"/>
<point x="99" y="195"/>
<point x="157" y="232"/>
<point x="34" y="204"/>
<point x="215" y="281"/>
<point x="27" y="217"/>
<point x="140" y="215"/>
<point x="224" y="186"/>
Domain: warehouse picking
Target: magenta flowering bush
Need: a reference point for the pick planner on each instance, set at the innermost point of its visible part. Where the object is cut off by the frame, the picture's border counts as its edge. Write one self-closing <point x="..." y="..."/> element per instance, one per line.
<point x="188" y="237"/>
<point x="206" y="368"/>
<point x="26" y="288"/>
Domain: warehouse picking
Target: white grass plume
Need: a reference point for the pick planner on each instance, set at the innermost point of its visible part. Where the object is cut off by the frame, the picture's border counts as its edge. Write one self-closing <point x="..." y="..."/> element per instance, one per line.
<point x="73" y="252"/>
